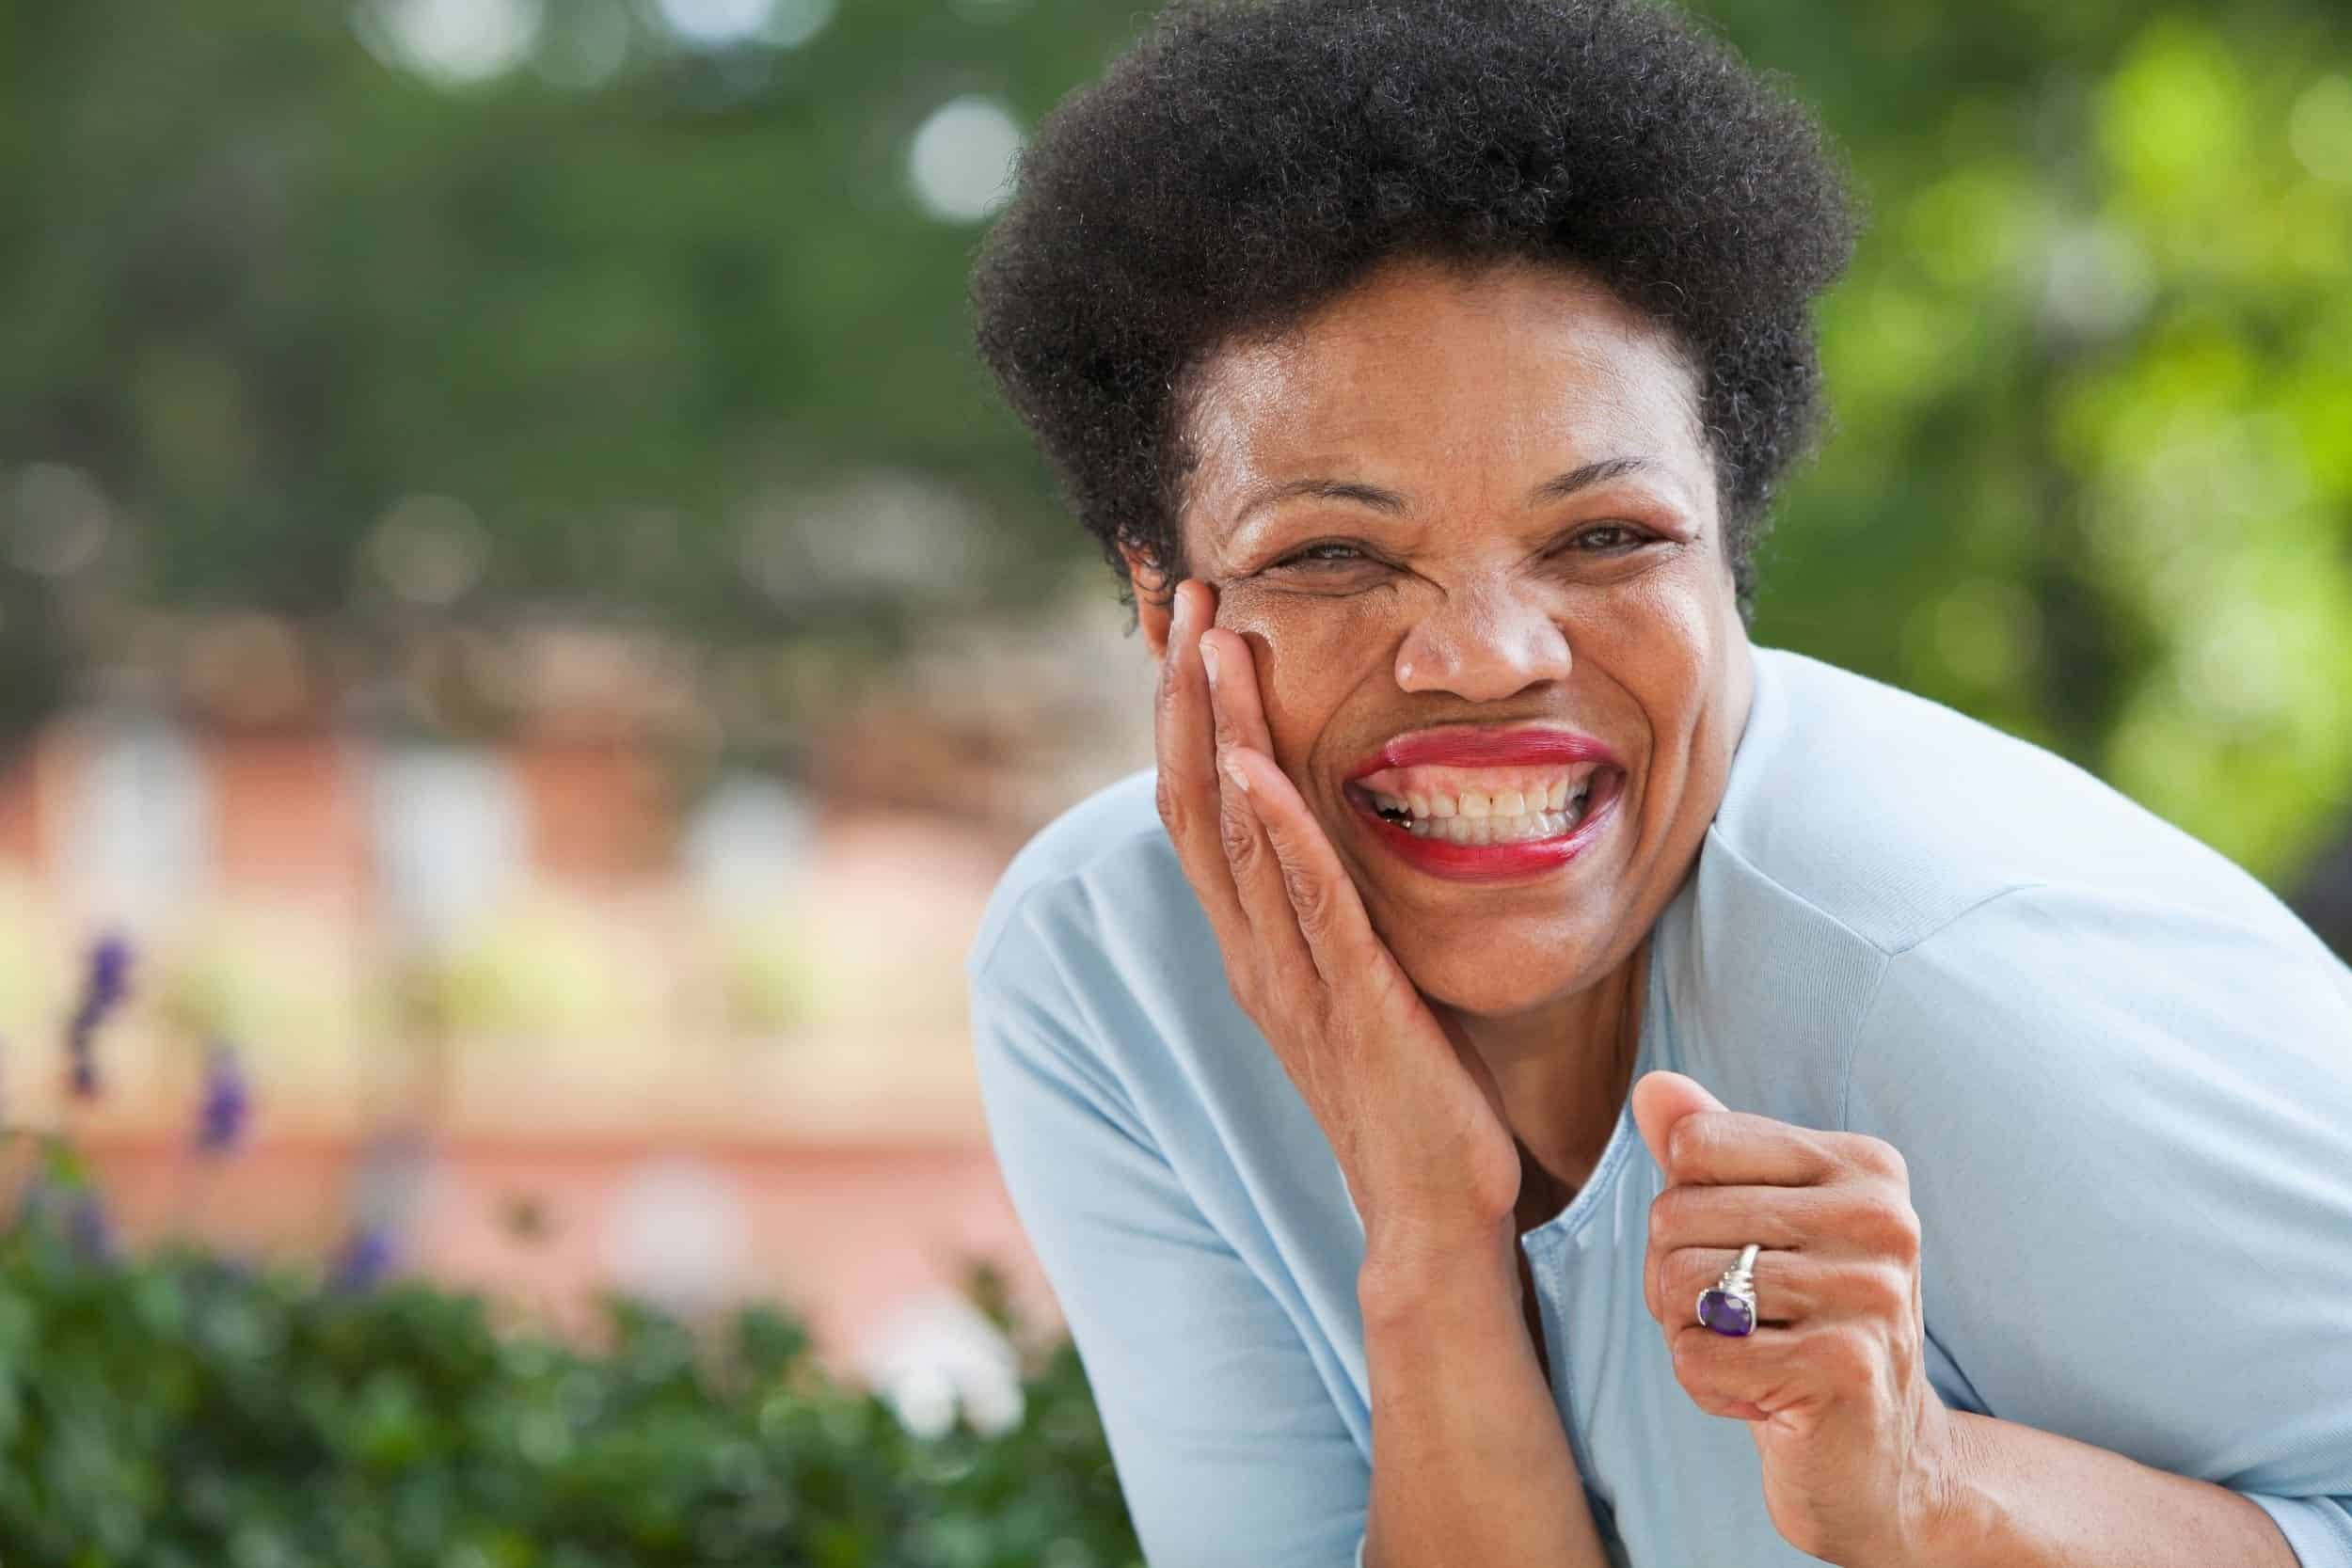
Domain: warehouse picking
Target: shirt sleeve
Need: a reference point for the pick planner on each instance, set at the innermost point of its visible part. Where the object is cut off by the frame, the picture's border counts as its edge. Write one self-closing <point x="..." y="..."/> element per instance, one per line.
<point x="1228" y="1446"/>
<point x="2128" y="1128"/>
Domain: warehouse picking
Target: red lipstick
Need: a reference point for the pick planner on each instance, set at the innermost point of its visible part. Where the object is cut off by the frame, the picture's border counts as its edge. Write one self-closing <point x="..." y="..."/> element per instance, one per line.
<point x="1483" y="746"/>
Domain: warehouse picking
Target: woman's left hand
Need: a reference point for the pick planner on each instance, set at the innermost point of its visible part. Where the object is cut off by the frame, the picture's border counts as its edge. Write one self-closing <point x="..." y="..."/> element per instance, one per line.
<point x="1857" y="1445"/>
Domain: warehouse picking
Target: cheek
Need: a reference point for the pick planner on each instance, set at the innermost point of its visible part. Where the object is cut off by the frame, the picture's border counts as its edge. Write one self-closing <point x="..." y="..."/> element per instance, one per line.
<point x="1669" y="642"/>
<point x="1309" y="653"/>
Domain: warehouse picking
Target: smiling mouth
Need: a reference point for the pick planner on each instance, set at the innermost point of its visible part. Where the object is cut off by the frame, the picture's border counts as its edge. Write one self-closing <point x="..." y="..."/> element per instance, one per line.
<point x="1471" y="817"/>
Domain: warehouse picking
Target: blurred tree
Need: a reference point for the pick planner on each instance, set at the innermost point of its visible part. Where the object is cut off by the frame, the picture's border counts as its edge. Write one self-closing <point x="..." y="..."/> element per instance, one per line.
<point x="431" y="307"/>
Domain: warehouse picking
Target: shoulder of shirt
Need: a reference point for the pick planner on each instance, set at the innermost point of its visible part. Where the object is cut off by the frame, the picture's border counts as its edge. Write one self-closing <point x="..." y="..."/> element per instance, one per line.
<point x="1118" y="822"/>
<point x="1891" y="815"/>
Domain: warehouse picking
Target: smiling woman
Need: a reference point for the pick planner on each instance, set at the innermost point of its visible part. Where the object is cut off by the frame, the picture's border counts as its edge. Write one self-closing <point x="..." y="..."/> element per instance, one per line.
<point x="1426" y="370"/>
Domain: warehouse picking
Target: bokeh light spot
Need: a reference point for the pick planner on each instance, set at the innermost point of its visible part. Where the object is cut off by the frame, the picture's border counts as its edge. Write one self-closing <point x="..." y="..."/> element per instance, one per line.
<point x="450" y="43"/>
<point x="961" y="159"/>
<point x="715" y="24"/>
<point x="793" y="22"/>
<point x="2320" y="128"/>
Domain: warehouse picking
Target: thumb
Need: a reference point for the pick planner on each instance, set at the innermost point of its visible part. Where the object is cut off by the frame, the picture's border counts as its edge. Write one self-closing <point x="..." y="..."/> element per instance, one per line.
<point x="1662" y="1099"/>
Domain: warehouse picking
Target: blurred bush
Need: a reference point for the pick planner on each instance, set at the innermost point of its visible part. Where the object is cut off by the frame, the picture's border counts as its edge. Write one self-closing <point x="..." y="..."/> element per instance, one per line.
<point x="179" y="1410"/>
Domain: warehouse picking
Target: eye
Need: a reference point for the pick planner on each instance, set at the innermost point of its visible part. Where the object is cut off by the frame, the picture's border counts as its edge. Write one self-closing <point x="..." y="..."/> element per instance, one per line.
<point x="1307" y="557"/>
<point x="1629" y="539"/>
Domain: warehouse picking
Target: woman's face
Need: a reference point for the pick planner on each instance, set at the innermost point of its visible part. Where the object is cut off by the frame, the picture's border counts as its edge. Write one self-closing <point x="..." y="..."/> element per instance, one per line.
<point x="1376" y="504"/>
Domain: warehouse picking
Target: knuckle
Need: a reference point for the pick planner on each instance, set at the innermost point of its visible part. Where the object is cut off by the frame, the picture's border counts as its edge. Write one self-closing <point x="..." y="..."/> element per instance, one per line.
<point x="1169" y="802"/>
<point x="1309" y="896"/>
<point x="1900" y="1238"/>
<point x="1240" y="839"/>
<point x="1221" y="726"/>
<point x="1885" y="1224"/>
<point x="1887" y="1291"/>
<point x="1879" y="1157"/>
<point x="1687" y="1139"/>
<point x="1876" y="1224"/>
<point x="1665" y="1210"/>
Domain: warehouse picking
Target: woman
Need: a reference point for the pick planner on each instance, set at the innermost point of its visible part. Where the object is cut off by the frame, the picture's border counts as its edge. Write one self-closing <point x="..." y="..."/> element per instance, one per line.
<point x="1505" y="951"/>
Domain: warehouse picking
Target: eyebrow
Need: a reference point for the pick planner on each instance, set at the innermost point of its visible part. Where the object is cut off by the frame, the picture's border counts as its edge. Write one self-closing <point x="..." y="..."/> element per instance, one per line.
<point x="1558" y="487"/>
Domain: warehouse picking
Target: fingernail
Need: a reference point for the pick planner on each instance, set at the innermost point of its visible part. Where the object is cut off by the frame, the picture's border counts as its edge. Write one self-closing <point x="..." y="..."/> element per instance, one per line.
<point x="1208" y="660"/>
<point x="1233" y="772"/>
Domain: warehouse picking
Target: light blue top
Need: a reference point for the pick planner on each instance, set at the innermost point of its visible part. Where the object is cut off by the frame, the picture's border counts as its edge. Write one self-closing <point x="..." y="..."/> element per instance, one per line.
<point x="2118" y="1070"/>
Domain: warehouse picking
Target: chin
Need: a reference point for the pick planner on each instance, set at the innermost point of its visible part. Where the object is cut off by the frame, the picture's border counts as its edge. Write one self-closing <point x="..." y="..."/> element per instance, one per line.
<point x="1495" y="979"/>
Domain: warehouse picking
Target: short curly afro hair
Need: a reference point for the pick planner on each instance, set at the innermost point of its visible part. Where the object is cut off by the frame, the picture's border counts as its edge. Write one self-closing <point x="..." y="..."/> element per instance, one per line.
<point x="1249" y="159"/>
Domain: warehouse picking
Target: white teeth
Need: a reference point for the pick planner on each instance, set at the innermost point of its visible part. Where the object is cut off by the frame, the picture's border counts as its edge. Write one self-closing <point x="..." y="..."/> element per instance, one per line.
<point x="1497" y="817"/>
<point x="1493" y="830"/>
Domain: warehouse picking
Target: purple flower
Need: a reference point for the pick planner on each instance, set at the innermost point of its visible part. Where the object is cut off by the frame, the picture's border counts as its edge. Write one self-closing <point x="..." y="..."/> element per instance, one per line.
<point x="104" y="988"/>
<point x="86" y="1227"/>
<point x="221" y="1115"/>
<point x="366" y="1258"/>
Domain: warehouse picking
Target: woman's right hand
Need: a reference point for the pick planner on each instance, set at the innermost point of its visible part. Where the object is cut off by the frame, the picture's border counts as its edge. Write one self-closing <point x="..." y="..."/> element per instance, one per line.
<point x="1411" y="1110"/>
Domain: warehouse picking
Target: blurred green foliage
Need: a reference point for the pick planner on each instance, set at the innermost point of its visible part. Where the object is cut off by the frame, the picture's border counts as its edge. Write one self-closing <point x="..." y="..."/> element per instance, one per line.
<point x="180" y="1411"/>
<point x="669" y="321"/>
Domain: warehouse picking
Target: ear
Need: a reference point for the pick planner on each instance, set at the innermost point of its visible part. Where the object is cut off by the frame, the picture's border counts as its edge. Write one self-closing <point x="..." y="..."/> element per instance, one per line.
<point x="1154" y="603"/>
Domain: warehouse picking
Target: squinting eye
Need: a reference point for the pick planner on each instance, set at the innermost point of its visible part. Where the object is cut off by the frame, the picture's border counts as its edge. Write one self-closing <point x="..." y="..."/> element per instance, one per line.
<point x="1307" y="557"/>
<point x="1631" y="537"/>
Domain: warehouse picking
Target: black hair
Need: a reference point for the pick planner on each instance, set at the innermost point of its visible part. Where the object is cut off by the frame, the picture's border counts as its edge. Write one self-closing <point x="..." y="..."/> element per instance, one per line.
<point x="1249" y="159"/>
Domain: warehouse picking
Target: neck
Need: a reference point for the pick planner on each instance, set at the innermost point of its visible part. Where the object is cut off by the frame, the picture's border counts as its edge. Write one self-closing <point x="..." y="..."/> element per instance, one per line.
<point x="1565" y="1070"/>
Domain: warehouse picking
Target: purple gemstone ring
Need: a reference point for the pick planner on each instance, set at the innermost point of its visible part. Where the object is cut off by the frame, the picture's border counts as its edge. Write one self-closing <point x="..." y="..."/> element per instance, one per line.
<point x="1729" y="1307"/>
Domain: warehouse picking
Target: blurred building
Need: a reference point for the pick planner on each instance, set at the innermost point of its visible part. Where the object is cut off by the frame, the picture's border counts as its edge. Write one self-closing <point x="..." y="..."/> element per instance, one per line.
<point x="654" y="1015"/>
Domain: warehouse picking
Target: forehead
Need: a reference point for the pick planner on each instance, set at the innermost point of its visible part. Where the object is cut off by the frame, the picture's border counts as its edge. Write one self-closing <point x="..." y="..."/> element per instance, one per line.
<point x="1425" y="375"/>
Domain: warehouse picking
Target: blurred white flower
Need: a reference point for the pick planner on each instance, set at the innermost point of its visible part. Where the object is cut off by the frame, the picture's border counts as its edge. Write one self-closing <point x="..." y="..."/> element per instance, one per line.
<point x="676" y="1234"/>
<point x="935" y="1353"/>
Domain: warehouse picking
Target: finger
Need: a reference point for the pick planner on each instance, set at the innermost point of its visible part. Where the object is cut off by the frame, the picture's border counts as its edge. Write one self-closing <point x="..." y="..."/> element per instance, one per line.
<point x="1316" y="898"/>
<point x="1320" y="896"/>
<point x="1790" y="1287"/>
<point x="1289" y="965"/>
<point x="1777" y="1219"/>
<point x="1233" y="675"/>
<point x="1865" y="1217"/>
<point x="1723" y="1372"/>
<point x="1725" y="1147"/>
<point x="1189" y="790"/>
<point x="1249" y="855"/>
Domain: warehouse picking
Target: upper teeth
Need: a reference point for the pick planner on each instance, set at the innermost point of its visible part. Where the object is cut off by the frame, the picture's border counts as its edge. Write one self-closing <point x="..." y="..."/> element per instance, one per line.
<point x="1468" y="816"/>
<point x="1501" y="803"/>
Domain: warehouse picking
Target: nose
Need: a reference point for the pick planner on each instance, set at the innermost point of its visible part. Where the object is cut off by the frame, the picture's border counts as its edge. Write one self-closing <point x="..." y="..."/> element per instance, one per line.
<point x="1482" y="645"/>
